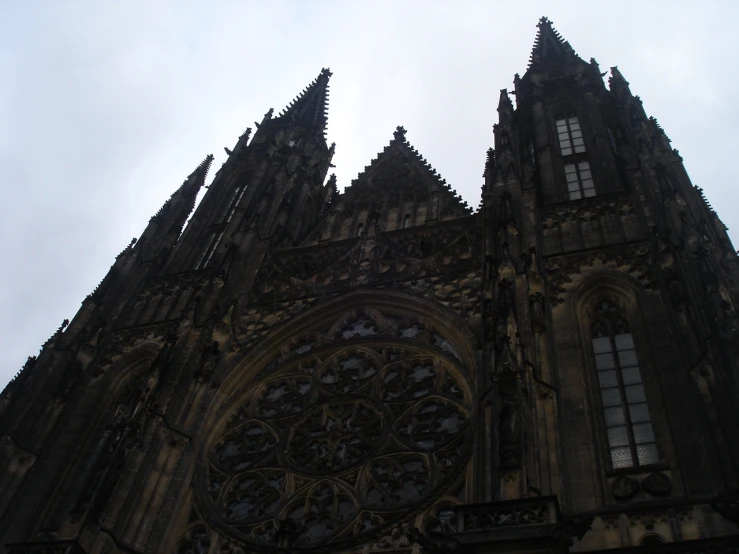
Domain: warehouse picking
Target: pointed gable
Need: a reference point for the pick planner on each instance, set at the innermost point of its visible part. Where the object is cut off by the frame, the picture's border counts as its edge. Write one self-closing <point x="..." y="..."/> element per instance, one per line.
<point x="398" y="190"/>
<point x="399" y="172"/>
<point x="549" y="45"/>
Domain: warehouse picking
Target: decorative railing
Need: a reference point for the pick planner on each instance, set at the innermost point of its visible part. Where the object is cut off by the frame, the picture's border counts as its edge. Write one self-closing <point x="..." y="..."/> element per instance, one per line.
<point x="528" y="511"/>
<point x="523" y="512"/>
<point x="57" y="547"/>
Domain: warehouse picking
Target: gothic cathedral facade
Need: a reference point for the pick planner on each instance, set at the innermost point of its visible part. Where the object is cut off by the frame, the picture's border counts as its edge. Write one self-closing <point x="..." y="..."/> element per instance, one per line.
<point x="388" y="370"/>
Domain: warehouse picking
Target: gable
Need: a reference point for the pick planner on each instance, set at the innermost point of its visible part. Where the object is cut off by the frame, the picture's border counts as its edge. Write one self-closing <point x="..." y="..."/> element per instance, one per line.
<point x="399" y="189"/>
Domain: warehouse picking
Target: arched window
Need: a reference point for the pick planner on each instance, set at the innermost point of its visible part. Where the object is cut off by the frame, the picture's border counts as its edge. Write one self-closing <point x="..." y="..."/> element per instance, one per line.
<point x="570" y="135"/>
<point x="631" y="441"/>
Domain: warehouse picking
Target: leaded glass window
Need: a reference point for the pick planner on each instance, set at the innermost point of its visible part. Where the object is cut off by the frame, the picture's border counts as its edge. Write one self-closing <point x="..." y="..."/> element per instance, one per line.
<point x="631" y="440"/>
<point x="570" y="135"/>
<point x="579" y="180"/>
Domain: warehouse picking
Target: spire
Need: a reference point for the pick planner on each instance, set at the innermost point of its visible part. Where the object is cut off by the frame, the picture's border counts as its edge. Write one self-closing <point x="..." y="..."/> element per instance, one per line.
<point x="504" y="102"/>
<point x="188" y="191"/>
<point x="165" y="227"/>
<point x="617" y="84"/>
<point x="310" y="107"/>
<point x="548" y="44"/>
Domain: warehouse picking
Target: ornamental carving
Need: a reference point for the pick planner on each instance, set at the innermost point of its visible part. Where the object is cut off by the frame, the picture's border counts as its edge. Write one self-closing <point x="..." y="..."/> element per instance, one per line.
<point x="634" y="260"/>
<point x="449" y="250"/>
<point x="657" y="484"/>
<point x="354" y="429"/>
<point x="624" y="487"/>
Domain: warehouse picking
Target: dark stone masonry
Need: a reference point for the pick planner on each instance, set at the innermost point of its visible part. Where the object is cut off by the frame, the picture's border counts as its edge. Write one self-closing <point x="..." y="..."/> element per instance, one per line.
<point x="388" y="370"/>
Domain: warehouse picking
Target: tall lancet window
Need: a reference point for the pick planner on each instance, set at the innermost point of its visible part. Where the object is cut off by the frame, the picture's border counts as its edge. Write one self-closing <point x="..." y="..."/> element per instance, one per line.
<point x="631" y="441"/>
<point x="213" y="241"/>
<point x="570" y="135"/>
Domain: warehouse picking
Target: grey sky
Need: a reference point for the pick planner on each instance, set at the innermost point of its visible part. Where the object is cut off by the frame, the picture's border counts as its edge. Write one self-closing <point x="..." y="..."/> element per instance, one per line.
<point x="105" y="107"/>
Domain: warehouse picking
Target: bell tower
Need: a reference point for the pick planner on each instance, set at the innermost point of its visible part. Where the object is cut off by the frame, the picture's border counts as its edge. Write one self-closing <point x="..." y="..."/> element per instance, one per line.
<point x="616" y="282"/>
<point x="271" y="187"/>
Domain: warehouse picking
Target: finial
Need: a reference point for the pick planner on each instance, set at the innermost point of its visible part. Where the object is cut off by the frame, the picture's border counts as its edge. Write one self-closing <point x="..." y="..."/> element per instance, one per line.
<point x="489" y="162"/>
<point x="269" y="113"/>
<point x="504" y="102"/>
<point x="399" y="133"/>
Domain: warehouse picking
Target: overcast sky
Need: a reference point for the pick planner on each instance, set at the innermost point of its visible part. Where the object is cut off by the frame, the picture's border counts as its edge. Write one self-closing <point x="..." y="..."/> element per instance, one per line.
<point x="105" y="107"/>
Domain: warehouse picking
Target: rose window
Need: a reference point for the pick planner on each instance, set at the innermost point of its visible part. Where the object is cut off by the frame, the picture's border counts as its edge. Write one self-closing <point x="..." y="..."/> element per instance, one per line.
<point x="344" y="437"/>
<point x="335" y="435"/>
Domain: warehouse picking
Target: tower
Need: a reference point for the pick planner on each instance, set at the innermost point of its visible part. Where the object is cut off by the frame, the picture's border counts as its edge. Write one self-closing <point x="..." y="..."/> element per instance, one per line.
<point x="387" y="370"/>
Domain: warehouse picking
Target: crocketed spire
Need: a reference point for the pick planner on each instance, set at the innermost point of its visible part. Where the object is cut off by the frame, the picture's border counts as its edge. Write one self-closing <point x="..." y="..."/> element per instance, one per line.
<point x="549" y="44"/>
<point x="310" y="107"/>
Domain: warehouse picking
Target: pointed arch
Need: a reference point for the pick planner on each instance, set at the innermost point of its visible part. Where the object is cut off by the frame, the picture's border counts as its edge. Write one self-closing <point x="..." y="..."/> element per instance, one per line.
<point x="364" y="420"/>
<point x="606" y="305"/>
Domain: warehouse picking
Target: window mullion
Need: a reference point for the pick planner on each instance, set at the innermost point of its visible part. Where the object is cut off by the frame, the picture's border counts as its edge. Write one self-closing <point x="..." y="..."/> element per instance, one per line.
<point x="624" y="401"/>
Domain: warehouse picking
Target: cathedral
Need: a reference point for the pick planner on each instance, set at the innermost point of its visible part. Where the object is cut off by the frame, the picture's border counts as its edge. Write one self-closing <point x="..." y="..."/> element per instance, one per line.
<point x="289" y="369"/>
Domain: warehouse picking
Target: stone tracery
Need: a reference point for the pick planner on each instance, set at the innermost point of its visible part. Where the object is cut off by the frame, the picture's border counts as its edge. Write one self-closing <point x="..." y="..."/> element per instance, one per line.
<point x="356" y="427"/>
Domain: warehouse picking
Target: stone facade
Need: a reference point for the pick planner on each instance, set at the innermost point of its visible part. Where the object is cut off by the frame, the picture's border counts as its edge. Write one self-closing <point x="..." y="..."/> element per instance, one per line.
<point x="387" y="370"/>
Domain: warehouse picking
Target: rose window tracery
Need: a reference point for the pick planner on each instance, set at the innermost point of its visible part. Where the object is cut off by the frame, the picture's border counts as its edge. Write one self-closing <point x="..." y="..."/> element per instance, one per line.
<point x="348" y="431"/>
<point x="335" y="435"/>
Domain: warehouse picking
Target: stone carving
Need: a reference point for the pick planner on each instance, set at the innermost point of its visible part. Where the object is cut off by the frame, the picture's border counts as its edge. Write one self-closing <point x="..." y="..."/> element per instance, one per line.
<point x="364" y="435"/>
<point x="633" y="259"/>
<point x="335" y="435"/>
<point x="657" y="484"/>
<point x="382" y="260"/>
<point x="492" y="516"/>
<point x="57" y="547"/>
<point x="195" y="541"/>
<point x="254" y="323"/>
<point x="624" y="488"/>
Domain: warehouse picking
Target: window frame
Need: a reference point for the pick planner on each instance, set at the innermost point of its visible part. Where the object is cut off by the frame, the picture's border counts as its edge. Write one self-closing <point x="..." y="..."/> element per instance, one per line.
<point x="618" y="324"/>
<point x="567" y="136"/>
<point x="581" y="180"/>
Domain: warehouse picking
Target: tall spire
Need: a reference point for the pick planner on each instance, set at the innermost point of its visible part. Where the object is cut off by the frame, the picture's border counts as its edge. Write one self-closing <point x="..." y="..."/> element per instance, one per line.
<point x="549" y="44"/>
<point x="165" y="227"/>
<point x="188" y="191"/>
<point x="310" y="107"/>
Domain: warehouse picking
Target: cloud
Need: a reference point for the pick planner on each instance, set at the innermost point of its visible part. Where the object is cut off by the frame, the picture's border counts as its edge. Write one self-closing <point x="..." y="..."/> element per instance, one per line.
<point x="106" y="107"/>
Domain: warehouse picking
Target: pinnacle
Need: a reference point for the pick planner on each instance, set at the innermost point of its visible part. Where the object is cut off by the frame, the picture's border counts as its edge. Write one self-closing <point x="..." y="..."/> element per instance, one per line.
<point x="616" y="77"/>
<point x="399" y="134"/>
<point x="548" y="44"/>
<point x="190" y="187"/>
<point x="489" y="162"/>
<point x="310" y="107"/>
<point x="196" y="179"/>
<point x="505" y="101"/>
<point x="205" y="164"/>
